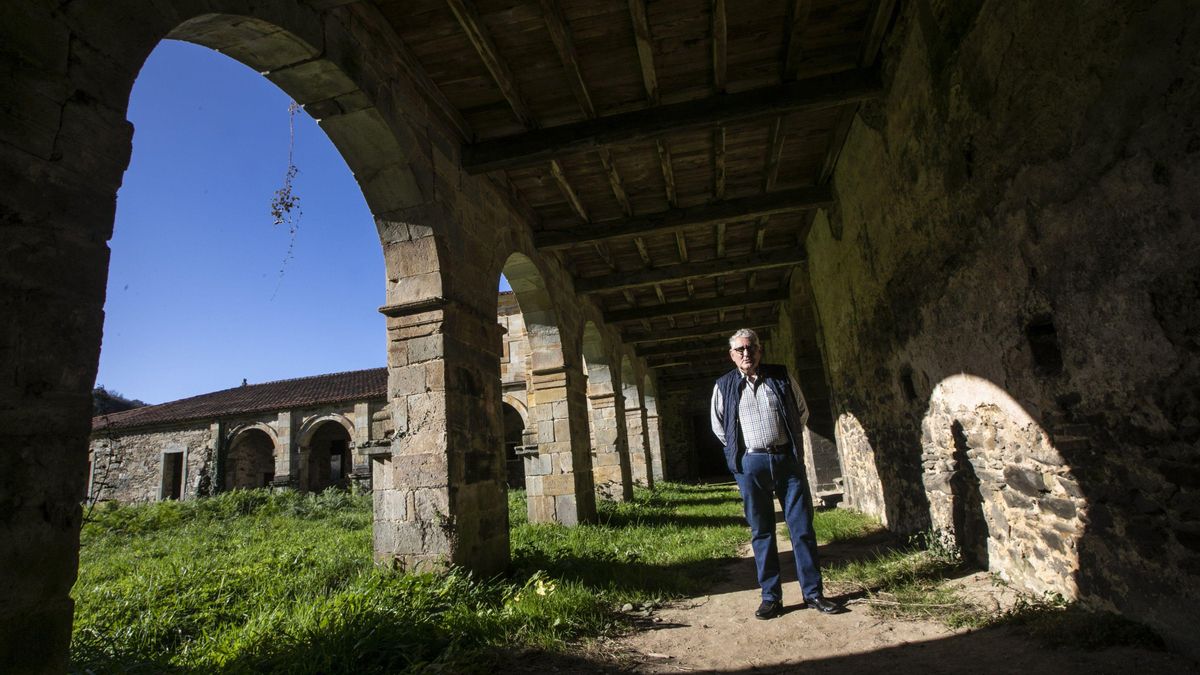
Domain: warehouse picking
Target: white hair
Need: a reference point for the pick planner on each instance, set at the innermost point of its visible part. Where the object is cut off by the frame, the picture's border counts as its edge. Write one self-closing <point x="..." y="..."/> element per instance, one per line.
<point x="743" y="333"/>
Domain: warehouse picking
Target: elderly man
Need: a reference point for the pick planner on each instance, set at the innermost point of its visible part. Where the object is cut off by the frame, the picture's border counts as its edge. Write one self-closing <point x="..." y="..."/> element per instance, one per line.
<point x="758" y="413"/>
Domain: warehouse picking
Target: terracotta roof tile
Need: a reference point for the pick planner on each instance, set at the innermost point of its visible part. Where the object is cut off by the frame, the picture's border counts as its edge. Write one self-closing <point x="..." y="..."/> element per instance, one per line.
<point x="252" y="398"/>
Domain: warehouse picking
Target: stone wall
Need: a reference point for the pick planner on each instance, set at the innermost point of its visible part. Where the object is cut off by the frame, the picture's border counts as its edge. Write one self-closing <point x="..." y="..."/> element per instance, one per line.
<point x="129" y="467"/>
<point x="1007" y="291"/>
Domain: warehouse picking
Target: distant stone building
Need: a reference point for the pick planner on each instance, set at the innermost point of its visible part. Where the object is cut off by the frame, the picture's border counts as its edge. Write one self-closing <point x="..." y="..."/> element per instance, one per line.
<point x="307" y="433"/>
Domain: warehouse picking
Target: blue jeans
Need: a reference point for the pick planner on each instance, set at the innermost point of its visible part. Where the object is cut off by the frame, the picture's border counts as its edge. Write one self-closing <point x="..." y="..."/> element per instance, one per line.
<point x="764" y="478"/>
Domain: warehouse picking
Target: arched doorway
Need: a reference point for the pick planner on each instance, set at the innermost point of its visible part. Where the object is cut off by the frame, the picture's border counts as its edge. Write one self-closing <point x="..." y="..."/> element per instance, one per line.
<point x="250" y="460"/>
<point x="325" y="458"/>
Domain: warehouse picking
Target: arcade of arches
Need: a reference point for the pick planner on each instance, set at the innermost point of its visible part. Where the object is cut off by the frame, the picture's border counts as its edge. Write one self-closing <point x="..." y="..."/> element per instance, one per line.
<point x="969" y="228"/>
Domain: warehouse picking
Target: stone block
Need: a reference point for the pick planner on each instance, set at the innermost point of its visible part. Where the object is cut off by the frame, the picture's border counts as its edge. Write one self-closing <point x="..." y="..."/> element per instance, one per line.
<point x="405" y="289"/>
<point x="422" y="349"/>
<point x="406" y="380"/>
<point x="390" y="504"/>
<point x="566" y="510"/>
<point x="431" y="505"/>
<point x="545" y="432"/>
<point x="557" y="484"/>
<point x="428" y="470"/>
<point x="541" y="509"/>
<point x="315" y="81"/>
<point x="411" y="258"/>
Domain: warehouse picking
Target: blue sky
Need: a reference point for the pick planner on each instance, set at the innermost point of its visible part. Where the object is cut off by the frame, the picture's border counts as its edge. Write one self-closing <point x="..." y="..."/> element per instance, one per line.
<point x="196" y="300"/>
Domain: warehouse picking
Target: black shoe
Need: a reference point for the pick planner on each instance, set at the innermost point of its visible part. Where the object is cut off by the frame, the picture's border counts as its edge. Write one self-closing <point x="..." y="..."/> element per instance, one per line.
<point x="769" y="609"/>
<point x="824" y="606"/>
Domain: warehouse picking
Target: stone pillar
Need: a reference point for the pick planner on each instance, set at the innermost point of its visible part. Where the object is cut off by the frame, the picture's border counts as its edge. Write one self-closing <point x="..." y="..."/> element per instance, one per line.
<point x="289" y="470"/>
<point x="640" y="463"/>
<point x="610" y="449"/>
<point x="654" y="436"/>
<point x="558" y="481"/>
<point x="439" y="489"/>
<point x="216" y="471"/>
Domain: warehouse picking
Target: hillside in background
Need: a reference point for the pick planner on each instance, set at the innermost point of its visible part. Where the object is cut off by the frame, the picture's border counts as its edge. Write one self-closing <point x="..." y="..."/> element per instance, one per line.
<point x="105" y="402"/>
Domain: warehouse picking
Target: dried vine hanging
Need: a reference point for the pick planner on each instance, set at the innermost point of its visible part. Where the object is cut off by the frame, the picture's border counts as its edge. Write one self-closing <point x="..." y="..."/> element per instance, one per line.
<point x="285" y="205"/>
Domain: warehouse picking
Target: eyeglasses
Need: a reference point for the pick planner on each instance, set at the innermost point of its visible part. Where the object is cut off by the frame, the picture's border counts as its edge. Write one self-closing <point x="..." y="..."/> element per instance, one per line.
<point x="744" y="350"/>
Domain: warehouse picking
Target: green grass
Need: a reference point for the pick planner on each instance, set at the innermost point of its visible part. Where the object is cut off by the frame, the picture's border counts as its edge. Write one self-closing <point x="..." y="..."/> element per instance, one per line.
<point x="259" y="581"/>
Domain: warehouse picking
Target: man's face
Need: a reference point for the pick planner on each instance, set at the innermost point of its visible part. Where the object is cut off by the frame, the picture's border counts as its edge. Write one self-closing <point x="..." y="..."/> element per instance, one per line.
<point x="748" y="358"/>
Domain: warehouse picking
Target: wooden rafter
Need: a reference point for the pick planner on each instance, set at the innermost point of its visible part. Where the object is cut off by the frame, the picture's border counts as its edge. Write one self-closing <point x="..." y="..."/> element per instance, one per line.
<point x="568" y="192"/>
<point x="640" y="243"/>
<point x="797" y="23"/>
<point x="693" y="306"/>
<point x="564" y="43"/>
<point x="668" y="171"/>
<point x="719" y="162"/>
<point x="720" y="45"/>
<point x="477" y="33"/>
<point x="815" y="93"/>
<point x="615" y="182"/>
<point x="681" y="246"/>
<point x="774" y="153"/>
<point x="836" y="141"/>
<point x="645" y="48"/>
<point x="720" y="236"/>
<point x="680" y="348"/>
<point x="730" y="210"/>
<point x="696" y="270"/>
<point x="698" y="331"/>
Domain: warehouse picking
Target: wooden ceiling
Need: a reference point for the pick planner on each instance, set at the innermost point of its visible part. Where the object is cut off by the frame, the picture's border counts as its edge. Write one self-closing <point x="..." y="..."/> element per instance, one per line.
<point x="672" y="151"/>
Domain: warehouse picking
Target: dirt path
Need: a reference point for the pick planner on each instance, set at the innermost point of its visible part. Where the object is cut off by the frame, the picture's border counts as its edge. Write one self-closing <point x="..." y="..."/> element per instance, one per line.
<point x="717" y="633"/>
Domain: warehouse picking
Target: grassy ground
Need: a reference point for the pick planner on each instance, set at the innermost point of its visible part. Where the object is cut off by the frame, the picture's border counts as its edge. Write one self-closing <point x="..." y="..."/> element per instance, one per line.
<point x="255" y="581"/>
<point x="252" y="581"/>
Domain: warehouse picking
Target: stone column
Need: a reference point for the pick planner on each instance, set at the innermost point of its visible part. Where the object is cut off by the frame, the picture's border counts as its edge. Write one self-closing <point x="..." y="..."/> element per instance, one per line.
<point x="287" y="464"/>
<point x="610" y="450"/>
<point x="654" y="435"/>
<point x="439" y="489"/>
<point x="640" y="463"/>
<point x="558" y="480"/>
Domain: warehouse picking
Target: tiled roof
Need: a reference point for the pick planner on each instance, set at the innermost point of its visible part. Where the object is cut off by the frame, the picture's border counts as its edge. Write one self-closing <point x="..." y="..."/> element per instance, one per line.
<point x="252" y="398"/>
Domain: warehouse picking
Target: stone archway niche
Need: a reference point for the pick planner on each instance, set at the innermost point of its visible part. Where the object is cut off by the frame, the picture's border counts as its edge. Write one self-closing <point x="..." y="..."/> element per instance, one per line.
<point x="1017" y="486"/>
<point x="250" y="460"/>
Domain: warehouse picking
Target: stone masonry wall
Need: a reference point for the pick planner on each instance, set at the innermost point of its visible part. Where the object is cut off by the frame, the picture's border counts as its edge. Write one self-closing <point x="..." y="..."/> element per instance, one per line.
<point x="128" y="468"/>
<point x="1008" y="292"/>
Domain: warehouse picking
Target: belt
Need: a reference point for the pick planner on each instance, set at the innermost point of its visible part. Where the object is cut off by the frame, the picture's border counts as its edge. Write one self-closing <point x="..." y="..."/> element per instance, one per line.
<point x="780" y="449"/>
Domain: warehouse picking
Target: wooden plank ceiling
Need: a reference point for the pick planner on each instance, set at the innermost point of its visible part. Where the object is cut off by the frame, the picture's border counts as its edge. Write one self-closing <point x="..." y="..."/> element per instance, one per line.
<point x="673" y="151"/>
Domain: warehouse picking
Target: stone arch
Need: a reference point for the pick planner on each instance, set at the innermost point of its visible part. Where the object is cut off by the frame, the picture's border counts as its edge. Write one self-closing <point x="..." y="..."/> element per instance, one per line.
<point x="63" y="176"/>
<point x="606" y="410"/>
<point x="640" y="464"/>
<point x="326" y="452"/>
<point x="990" y="465"/>
<point x="558" y="471"/>
<point x="251" y="456"/>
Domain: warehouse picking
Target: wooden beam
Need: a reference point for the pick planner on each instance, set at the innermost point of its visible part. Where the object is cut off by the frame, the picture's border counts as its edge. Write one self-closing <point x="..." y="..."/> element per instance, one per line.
<point x="468" y="18"/>
<point x="698" y="331"/>
<point x="645" y="48"/>
<point x="641" y="248"/>
<point x="760" y="233"/>
<point x="615" y="182"/>
<point x="774" y="153"/>
<point x="698" y="270"/>
<point x="693" y="306"/>
<point x="797" y="23"/>
<point x="730" y="210"/>
<point x="668" y="171"/>
<point x="720" y="236"/>
<point x="876" y="27"/>
<point x="720" y="45"/>
<point x="681" y="246"/>
<point x="719" y="162"/>
<point x="564" y="186"/>
<point x="320" y="5"/>
<point x="681" y="348"/>
<point x="564" y="43"/>
<point x="815" y="93"/>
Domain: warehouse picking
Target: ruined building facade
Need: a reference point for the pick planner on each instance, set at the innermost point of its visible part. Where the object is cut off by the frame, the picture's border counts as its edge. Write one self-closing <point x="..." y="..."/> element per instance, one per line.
<point x="970" y="226"/>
